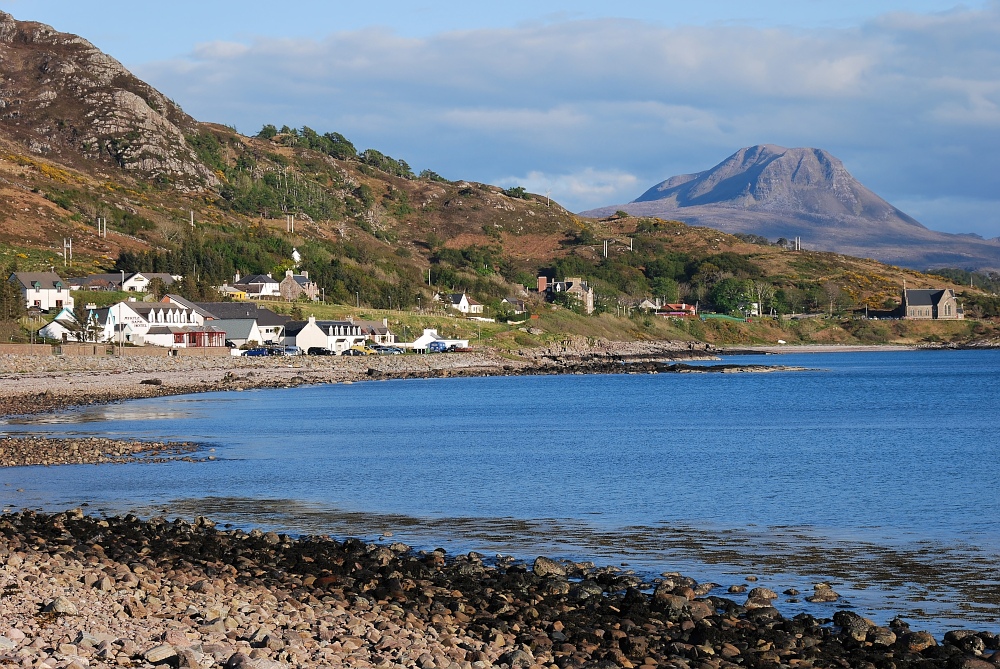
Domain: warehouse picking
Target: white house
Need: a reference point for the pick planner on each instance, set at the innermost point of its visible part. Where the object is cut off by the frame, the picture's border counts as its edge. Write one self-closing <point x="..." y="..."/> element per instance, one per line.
<point x="421" y="343"/>
<point x="258" y="285"/>
<point x="305" y="334"/>
<point x="342" y="335"/>
<point x="64" y="327"/>
<point x="240" y="331"/>
<point x="465" y="304"/>
<point x="157" y="324"/>
<point x="43" y="290"/>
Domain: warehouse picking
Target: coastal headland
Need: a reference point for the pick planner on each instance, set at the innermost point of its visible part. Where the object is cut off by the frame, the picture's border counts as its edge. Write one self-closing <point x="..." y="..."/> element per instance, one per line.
<point x="78" y="590"/>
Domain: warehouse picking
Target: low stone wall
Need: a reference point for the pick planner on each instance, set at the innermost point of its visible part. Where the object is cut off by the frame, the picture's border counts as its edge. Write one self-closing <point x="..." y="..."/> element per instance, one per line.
<point x="160" y="352"/>
<point x="25" y="349"/>
<point x="83" y="349"/>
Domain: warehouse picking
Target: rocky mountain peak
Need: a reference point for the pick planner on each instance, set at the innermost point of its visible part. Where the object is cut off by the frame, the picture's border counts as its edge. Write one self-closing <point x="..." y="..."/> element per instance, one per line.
<point x="62" y="97"/>
<point x="772" y="178"/>
<point x="773" y="191"/>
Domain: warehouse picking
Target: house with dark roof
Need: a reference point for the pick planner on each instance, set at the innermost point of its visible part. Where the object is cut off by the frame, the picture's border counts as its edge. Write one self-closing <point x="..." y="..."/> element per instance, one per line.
<point x="258" y="286"/>
<point x="43" y="290"/>
<point x="465" y="304"/>
<point x="158" y="324"/>
<point x="132" y="282"/>
<point x="270" y="325"/>
<point x="931" y="304"/>
<point x="376" y="332"/>
<point x="573" y="286"/>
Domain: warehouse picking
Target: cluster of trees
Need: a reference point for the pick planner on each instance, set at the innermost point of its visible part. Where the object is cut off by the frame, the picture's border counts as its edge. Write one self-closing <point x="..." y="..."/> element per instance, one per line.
<point x="331" y="143"/>
<point x="212" y="259"/>
<point x="12" y="304"/>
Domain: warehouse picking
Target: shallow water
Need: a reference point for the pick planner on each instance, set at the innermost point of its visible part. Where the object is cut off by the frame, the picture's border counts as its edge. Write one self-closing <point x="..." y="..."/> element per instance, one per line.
<point x="873" y="473"/>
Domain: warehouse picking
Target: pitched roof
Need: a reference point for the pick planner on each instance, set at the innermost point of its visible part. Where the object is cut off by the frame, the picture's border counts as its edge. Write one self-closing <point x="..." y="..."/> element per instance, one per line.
<point x="237" y="328"/>
<point x="228" y="310"/>
<point x="177" y="299"/>
<point x="923" y="297"/>
<point x="234" y="310"/>
<point x="255" y="279"/>
<point x="45" y="280"/>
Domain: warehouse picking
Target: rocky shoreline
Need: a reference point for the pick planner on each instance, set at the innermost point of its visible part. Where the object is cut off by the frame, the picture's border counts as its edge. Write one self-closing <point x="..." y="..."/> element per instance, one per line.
<point x="78" y="591"/>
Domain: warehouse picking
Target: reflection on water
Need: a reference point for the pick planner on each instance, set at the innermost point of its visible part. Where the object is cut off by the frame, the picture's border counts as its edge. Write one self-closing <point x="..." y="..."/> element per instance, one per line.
<point x="941" y="586"/>
<point x="104" y="414"/>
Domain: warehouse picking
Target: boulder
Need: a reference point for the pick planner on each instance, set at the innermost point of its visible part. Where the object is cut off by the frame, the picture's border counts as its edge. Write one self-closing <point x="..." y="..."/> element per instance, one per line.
<point x="544" y="566"/>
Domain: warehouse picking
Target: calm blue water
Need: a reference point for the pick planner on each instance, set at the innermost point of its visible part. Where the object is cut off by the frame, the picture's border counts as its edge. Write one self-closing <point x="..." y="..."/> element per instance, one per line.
<point x="876" y="472"/>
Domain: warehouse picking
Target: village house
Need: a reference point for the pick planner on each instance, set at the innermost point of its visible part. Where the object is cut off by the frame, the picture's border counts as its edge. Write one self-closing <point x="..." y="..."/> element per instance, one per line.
<point x="43" y="290"/>
<point x="156" y="324"/>
<point x="269" y="326"/>
<point x="936" y="304"/>
<point x="239" y="331"/>
<point x="294" y="286"/>
<point x="66" y="327"/>
<point x="375" y="332"/>
<point x="304" y="334"/>
<point x="463" y="303"/>
<point x="515" y="305"/>
<point x="573" y="286"/>
<point x="258" y="286"/>
<point x="677" y="310"/>
<point x="131" y="282"/>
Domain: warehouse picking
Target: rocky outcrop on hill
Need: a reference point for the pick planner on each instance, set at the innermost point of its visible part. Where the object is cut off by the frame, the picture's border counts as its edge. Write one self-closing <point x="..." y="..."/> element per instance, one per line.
<point x="63" y="98"/>
<point x="776" y="192"/>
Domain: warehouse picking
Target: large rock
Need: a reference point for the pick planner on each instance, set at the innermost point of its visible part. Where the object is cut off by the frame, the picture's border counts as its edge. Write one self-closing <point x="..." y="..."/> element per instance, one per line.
<point x="61" y="606"/>
<point x="544" y="566"/>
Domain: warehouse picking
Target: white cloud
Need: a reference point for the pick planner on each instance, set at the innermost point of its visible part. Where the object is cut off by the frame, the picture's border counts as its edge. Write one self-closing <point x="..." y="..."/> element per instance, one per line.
<point x="589" y="186"/>
<point x="908" y="102"/>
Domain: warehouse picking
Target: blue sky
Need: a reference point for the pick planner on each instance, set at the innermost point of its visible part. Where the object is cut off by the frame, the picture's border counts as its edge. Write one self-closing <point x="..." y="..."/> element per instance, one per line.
<point x="594" y="102"/>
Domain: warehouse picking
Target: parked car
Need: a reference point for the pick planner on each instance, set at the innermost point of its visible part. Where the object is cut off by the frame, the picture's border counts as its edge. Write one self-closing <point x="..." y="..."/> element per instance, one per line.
<point x="291" y="350"/>
<point x="318" y="350"/>
<point x="259" y="351"/>
<point x="353" y="351"/>
<point x="365" y="350"/>
<point x="388" y="350"/>
<point x="437" y="347"/>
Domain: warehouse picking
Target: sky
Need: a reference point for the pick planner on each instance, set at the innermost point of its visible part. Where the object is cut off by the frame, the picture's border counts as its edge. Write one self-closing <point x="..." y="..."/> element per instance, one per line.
<point x="593" y="102"/>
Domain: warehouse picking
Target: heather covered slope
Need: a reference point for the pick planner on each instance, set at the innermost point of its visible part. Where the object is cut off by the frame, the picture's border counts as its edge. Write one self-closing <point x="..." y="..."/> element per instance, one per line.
<point x="777" y="192"/>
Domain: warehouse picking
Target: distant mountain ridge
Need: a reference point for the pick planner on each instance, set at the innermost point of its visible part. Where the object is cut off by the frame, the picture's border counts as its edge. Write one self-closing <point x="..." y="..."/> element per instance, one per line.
<point x="777" y="192"/>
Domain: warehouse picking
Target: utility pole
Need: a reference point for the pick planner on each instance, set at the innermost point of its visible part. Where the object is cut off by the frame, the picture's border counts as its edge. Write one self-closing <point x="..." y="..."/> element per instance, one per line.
<point x="192" y="219"/>
<point x="67" y="251"/>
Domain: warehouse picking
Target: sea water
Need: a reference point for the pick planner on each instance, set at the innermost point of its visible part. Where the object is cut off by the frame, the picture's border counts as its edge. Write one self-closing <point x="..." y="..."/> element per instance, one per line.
<point x="874" y="472"/>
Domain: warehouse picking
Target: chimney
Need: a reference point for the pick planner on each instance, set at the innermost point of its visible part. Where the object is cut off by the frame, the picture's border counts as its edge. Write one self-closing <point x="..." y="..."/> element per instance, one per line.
<point x="305" y="274"/>
<point x="312" y="319"/>
<point x="543" y="283"/>
<point x="288" y="273"/>
<point x="237" y="279"/>
<point x="385" y="322"/>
